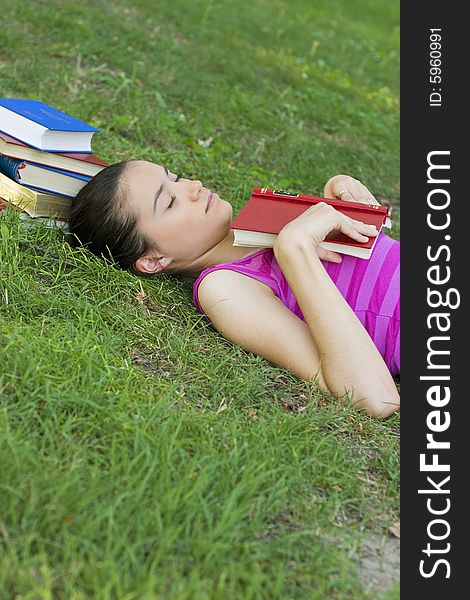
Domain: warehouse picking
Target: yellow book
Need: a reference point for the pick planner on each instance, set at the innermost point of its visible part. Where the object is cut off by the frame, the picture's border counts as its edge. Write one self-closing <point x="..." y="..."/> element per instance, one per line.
<point x="36" y="204"/>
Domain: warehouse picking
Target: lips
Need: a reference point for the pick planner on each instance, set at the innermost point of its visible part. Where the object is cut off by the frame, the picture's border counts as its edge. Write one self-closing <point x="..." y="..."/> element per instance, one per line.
<point x="209" y="196"/>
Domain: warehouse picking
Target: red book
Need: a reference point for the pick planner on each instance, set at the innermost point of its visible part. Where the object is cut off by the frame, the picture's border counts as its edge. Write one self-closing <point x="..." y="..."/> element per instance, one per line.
<point x="267" y="211"/>
<point x="81" y="163"/>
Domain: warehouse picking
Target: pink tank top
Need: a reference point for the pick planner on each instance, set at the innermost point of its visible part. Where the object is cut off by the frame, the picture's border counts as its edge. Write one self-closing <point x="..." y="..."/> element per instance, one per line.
<point x="370" y="287"/>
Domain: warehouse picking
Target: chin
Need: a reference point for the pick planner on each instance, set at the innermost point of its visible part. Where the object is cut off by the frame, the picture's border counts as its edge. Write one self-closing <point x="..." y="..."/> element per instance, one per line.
<point x="227" y="207"/>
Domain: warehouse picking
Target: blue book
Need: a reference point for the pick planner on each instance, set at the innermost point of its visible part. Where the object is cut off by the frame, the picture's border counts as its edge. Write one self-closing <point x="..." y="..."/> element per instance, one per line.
<point x="44" y="127"/>
<point x="42" y="178"/>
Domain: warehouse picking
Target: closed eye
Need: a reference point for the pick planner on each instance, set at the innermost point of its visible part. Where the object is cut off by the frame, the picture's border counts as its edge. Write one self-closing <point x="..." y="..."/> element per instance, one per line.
<point x="173" y="198"/>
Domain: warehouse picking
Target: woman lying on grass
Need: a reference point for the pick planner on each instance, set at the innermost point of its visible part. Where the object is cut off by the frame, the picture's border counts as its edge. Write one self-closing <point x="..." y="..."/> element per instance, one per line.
<point x="301" y="307"/>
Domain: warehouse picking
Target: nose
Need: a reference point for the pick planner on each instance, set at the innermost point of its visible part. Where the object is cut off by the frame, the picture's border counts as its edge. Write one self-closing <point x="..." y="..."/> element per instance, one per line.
<point x="196" y="188"/>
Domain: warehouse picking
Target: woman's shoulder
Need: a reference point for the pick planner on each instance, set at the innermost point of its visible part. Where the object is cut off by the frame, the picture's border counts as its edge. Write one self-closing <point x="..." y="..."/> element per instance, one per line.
<point x="217" y="284"/>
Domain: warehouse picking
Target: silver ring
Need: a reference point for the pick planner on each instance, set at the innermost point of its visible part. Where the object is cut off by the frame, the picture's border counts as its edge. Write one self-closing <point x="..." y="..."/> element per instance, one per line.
<point x="345" y="191"/>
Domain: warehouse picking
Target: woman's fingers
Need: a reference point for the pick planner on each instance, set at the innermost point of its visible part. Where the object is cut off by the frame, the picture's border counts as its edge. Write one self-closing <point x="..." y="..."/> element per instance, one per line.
<point x="356" y="235"/>
<point x="360" y="224"/>
<point x="346" y="194"/>
<point x="367" y="197"/>
<point x="355" y="191"/>
<point x="360" y="231"/>
<point x="328" y="255"/>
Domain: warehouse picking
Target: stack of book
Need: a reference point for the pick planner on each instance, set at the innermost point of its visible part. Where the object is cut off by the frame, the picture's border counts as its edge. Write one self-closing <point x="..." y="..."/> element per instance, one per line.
<point x="45" y="158"/>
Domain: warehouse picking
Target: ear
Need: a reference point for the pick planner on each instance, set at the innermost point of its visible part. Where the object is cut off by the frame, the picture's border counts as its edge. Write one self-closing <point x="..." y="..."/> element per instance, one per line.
<point x="151" y="264"/>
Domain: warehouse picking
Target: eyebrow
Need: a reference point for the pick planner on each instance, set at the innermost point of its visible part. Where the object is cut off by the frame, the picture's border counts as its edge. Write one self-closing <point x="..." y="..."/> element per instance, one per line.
<point x="159" y="191"/>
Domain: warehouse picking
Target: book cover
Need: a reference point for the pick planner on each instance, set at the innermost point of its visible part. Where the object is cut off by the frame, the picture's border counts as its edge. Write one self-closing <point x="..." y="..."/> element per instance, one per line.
<point x="82" y="163"/>
<point x="268" y="211"/>
<point x="42" y="126"/>
<point x="45" y="115"/>
<point x="5" y="205"/>
<point x="36" y="204"/>
<point x="42" y="178"/>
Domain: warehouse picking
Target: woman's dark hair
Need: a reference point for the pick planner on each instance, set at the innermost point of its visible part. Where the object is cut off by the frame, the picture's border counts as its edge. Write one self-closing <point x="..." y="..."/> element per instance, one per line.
<point x="102" y="220"/>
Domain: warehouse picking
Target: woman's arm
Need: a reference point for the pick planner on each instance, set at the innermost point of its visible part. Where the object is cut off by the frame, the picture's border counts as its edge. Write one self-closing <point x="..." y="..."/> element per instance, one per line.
<point x="349" y="360"/>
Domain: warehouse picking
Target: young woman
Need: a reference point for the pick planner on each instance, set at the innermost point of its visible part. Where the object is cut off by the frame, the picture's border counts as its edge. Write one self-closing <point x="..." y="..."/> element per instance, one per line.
<point x="305" y="309"/>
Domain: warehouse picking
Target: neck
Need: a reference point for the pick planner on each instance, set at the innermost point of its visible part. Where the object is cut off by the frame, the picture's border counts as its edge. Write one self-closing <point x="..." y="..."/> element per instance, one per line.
<point x="223" y="252"/>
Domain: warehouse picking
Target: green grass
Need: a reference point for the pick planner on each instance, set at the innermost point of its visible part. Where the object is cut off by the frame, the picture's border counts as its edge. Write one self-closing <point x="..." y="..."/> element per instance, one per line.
<point x="141" y="454"/>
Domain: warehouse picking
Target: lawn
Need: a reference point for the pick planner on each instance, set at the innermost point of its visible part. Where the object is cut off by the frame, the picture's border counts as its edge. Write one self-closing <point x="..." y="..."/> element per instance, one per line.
<point x="142" y="455"/>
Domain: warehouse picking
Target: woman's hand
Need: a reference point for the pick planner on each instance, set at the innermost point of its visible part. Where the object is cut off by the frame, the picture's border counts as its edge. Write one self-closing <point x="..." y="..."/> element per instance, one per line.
<point x="347" y="188"/>
<point x="313" y="225"/>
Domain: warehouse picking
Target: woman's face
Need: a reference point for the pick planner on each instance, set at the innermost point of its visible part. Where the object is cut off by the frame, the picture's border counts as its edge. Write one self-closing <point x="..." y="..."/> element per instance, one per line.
<point x="174" y="214"/>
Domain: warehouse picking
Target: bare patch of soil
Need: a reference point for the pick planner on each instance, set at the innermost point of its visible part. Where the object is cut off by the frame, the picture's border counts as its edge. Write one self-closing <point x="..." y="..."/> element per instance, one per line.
<point x="379" y="563"/>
